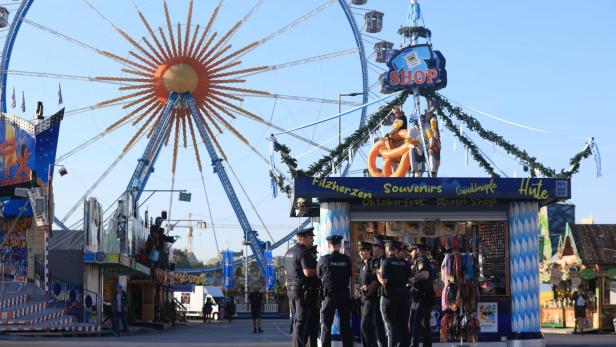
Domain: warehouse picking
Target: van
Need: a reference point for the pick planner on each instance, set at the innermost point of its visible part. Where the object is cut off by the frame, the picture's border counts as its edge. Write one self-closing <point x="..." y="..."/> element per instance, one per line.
<point x="192" y="299"/>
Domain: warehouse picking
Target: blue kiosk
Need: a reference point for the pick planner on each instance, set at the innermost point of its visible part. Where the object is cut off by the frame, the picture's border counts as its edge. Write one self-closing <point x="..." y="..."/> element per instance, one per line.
<point x="494" y="221"/>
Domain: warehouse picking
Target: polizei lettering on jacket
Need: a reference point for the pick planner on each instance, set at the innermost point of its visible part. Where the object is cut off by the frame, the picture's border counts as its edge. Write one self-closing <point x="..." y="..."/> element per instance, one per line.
<point x="338" y="263"/>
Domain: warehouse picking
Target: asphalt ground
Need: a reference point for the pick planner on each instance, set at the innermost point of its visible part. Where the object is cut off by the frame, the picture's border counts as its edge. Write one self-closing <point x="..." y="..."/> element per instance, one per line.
<point x="238" y="333"/>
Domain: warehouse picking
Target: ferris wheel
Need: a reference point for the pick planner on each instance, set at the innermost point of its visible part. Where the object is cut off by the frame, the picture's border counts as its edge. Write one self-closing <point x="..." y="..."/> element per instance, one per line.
<point x="196" y="76"/>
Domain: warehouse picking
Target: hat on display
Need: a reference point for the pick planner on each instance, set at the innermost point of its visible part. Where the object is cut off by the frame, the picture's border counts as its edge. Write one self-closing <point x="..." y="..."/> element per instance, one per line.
<point x="334" y="239"/>
<point x="365" y="246"/>
<point x="305" y="232"/>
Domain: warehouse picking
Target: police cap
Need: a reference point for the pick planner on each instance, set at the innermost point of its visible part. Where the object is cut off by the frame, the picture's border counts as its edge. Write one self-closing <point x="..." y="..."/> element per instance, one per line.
<point x="378" y="241"/>
<point x="305" y="232"/>
<point x="419" y="245"/>
<point x="364" y="246"/>
<point x="334" y="239"/>
<point x="392" y="243"/>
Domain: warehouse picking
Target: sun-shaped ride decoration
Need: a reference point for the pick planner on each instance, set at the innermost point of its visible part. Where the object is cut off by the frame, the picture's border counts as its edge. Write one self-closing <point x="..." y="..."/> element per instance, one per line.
<point x="200" y="63"/>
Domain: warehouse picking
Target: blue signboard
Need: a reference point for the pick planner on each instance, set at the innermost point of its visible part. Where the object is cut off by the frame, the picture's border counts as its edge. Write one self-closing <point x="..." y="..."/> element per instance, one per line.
<point x="270" y="275"/>
<point x="416" y="66"/>
<point x="17" y="151"/>
<point x="352" y="188"/>
<point x="27" y="151"/>
<point x="227" y="269"/>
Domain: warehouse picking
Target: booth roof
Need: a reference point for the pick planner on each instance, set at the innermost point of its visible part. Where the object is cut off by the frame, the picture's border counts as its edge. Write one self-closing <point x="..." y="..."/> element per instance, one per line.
<point x="596" y="243"/>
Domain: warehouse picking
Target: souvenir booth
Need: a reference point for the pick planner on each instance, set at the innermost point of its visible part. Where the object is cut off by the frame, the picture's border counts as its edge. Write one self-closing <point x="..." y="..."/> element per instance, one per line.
<point x="482" y="234"/>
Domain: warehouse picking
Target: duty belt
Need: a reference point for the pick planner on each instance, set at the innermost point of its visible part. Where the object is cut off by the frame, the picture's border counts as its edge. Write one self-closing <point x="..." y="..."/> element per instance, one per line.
<point x="294" y="287"/>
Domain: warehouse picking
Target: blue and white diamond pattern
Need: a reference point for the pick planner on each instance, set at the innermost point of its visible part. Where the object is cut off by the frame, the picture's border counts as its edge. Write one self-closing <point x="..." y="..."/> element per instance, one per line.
<point x="335" y="219"/>
<point x="524" y="265"/>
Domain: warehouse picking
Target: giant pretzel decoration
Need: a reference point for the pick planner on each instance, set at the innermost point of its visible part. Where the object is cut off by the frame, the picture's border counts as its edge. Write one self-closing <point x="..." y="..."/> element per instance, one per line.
<point x="395" y="154"/>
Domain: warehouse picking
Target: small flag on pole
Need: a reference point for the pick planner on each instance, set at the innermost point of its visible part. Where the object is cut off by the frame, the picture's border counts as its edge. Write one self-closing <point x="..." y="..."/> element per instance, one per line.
<point x="23" y="102"/>
<point x="60" y="100"/>
<point x="466" y="155"/>
<point x="594" y="148"/>
<point x="14" y="103"/>
<point x="273" y="183"/>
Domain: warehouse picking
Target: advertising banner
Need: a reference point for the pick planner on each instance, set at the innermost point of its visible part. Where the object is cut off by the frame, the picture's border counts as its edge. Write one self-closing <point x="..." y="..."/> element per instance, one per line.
<point x="270" y="275"/>
<point x="488" y="316"/>
<point x="227" y="269"/>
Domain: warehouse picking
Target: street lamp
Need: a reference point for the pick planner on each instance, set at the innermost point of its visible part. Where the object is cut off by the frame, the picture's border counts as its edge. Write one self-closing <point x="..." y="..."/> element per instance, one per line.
<point x="340" y="111"/>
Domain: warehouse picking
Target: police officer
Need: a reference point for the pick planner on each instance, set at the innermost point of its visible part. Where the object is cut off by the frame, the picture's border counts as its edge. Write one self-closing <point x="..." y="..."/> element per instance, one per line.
<point x="378" y="255"/>
<point x="313" y="287"/>
<point x="423" y="296"/>
<point x="334" y="270"/>
<point x="368" y="285"/>
<point x="394" y="275"/>
<point x="300" y="265"/>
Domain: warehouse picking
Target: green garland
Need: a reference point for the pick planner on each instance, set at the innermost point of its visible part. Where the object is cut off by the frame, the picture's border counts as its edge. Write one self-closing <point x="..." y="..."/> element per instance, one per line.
<point x="410" y="31"/>
<point x="325" y="165"/>
<point x="340" y="153"/>
<point x="474" y="125"/>
<point x="287" y="159"/>
<point x="574" y="162"/>
<point x="281" y="183"/>
<point x="469" y="144"/>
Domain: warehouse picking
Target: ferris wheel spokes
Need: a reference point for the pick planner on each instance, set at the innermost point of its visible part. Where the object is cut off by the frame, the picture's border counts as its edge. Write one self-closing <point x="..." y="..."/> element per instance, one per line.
<point x="291" y="25"/>
<point x="121" y="60"/>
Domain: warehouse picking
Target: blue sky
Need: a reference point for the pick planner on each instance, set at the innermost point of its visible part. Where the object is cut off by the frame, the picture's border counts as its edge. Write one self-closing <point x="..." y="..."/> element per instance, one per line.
<point x="542" y="64"/>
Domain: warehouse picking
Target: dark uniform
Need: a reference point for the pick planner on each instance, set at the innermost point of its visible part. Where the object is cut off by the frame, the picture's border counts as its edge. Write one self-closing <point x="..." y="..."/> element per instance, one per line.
<point x="334" y="270"/>
<point x="369" y="301"/>
<point x="381" y="334"/>
<point x="313" y="286"/>
<point x="423" y="299"/>
<point x="296" y="260"/>
<point x="395" y="299"/>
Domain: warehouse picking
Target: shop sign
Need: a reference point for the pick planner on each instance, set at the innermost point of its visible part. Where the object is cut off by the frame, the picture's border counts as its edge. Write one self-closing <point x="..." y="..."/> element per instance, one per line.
<point x="488" y="316"/>
<point x="536" y="189"/>
<point x="416" y="66"/>
<point x="389" y="204"/>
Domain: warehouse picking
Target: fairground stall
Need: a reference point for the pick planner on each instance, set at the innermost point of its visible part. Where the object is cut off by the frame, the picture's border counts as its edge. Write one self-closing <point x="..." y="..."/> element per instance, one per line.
<point x="585" y="263"/>
<point x="481" y="232"/>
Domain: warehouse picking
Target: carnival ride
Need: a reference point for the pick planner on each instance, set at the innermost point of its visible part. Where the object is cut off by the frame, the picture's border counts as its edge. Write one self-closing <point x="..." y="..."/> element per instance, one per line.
<point x="177" y="83"/>
<point x="181" y="83"/>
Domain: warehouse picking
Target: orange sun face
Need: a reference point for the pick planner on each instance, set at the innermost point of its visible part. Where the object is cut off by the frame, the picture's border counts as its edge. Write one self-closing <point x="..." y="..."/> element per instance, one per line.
<point x="181" y="76"/>
<point x="197" y="62"/>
